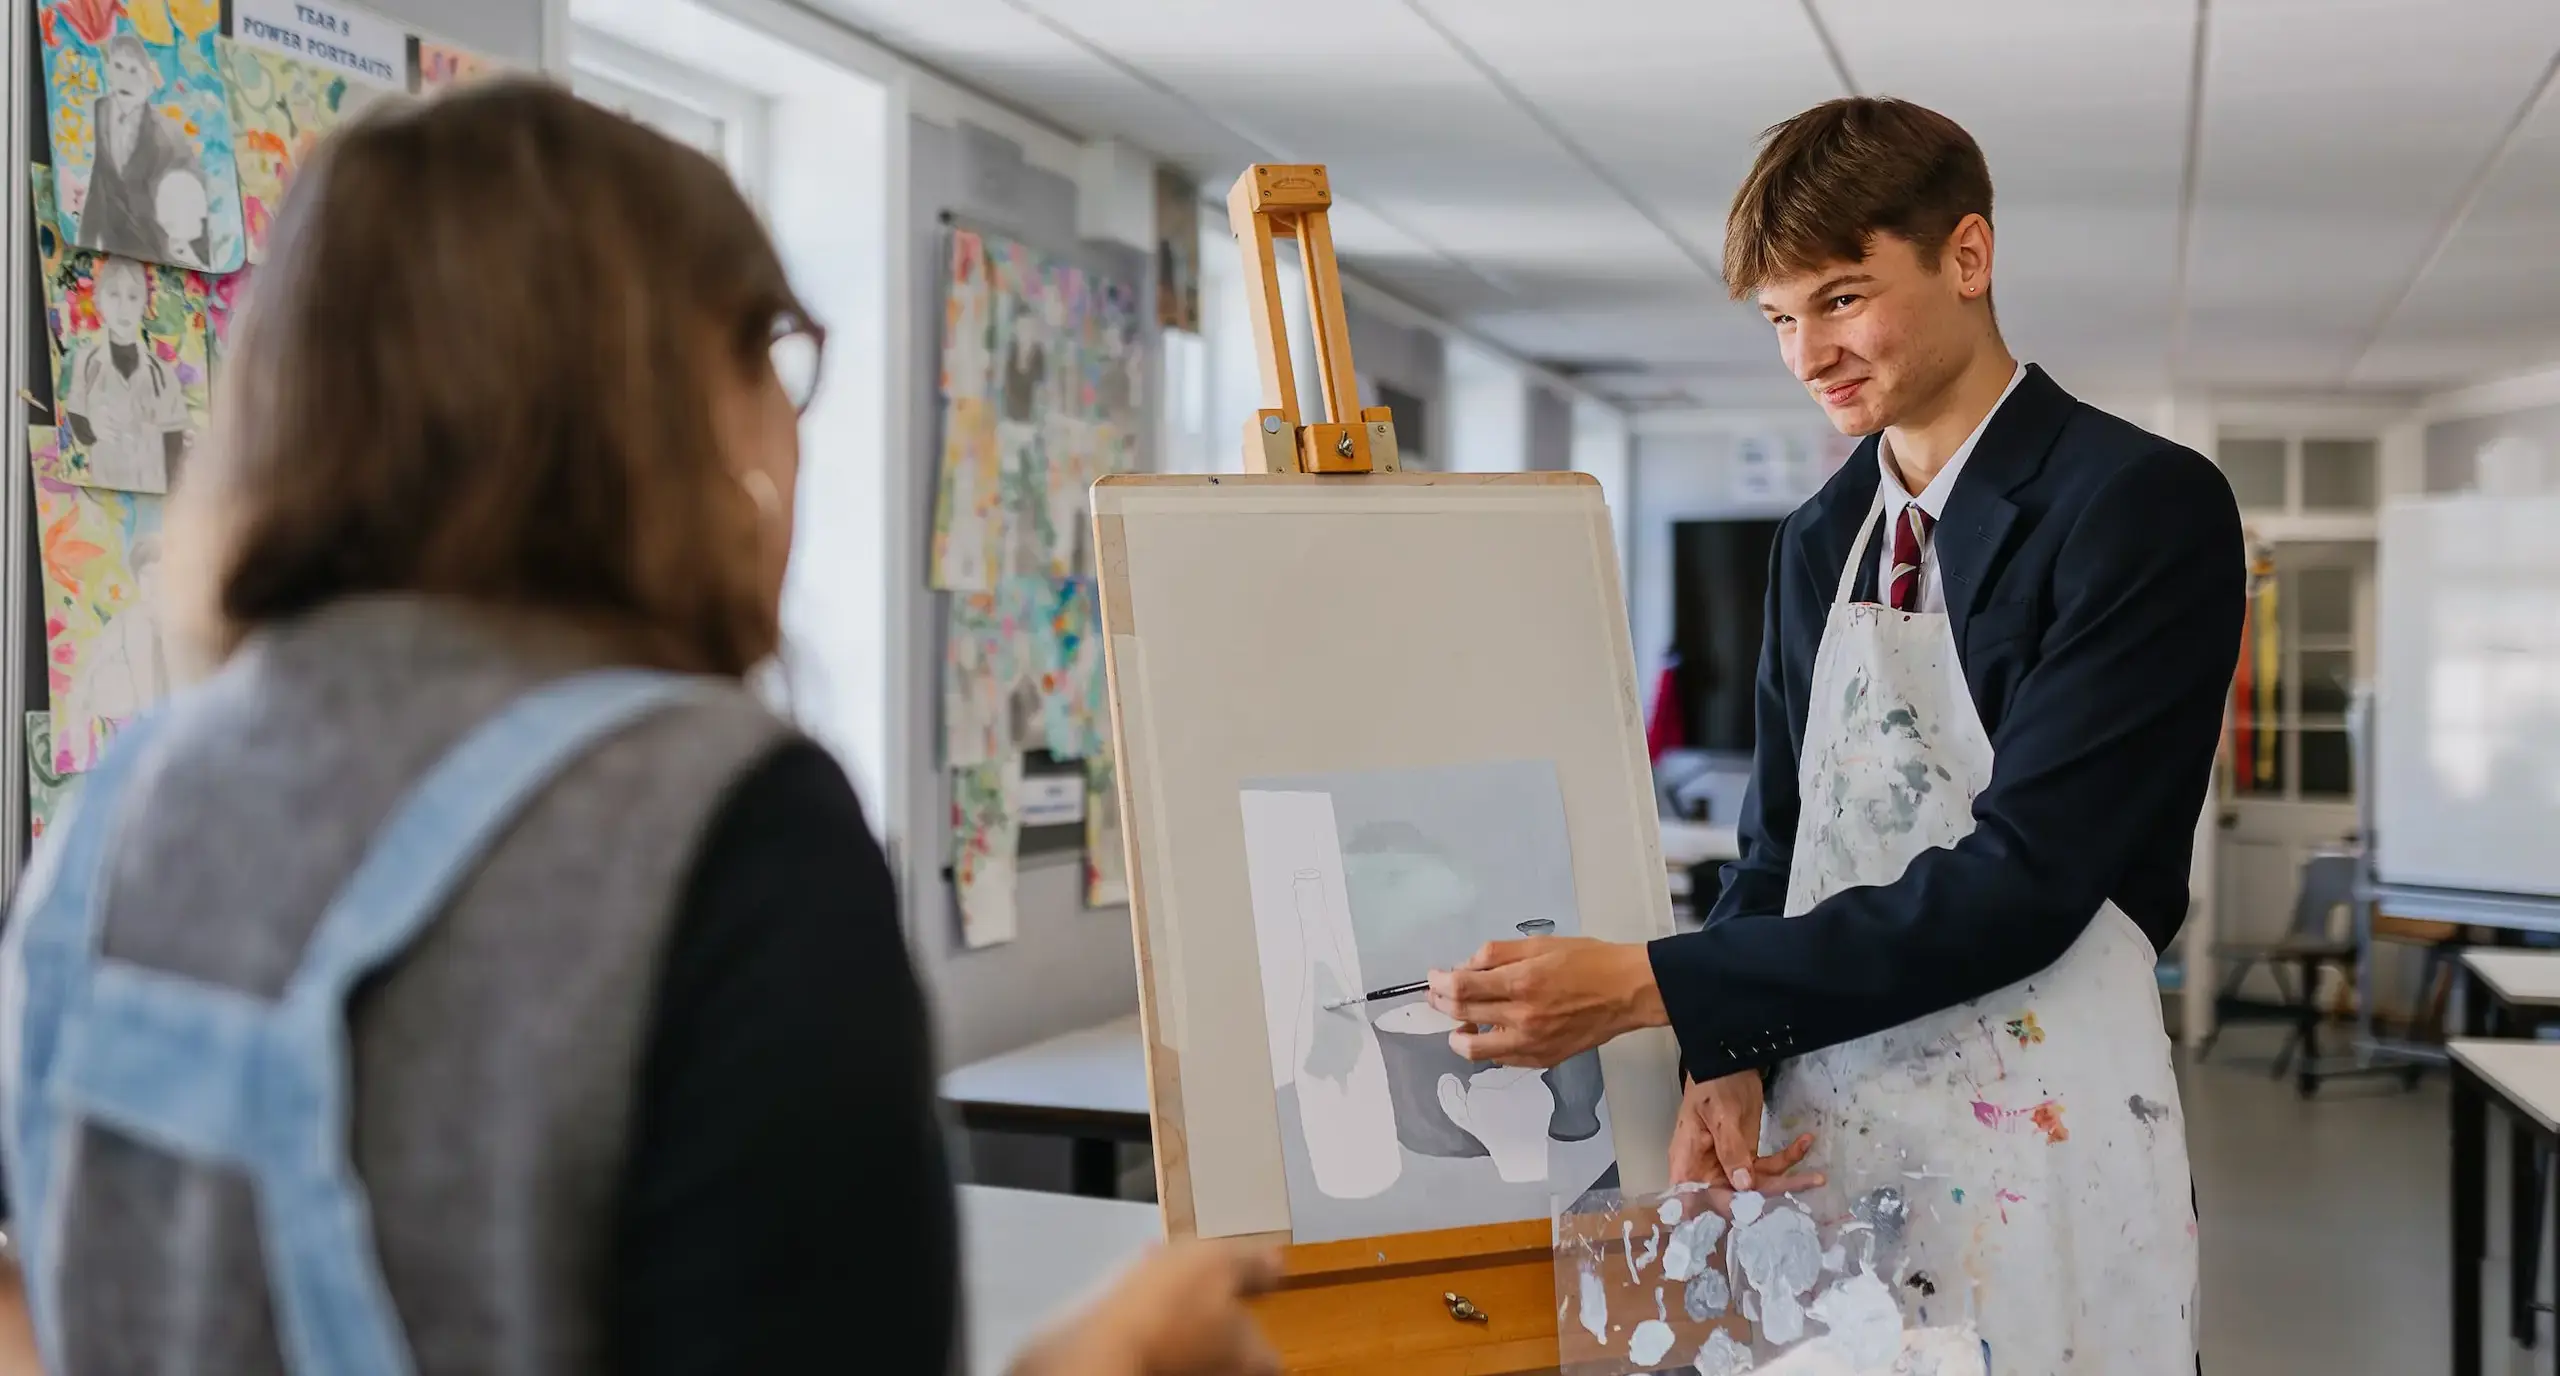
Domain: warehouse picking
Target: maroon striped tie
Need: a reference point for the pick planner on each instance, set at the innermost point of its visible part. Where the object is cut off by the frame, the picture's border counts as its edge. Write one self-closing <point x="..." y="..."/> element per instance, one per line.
<point x="1910" y="539"/>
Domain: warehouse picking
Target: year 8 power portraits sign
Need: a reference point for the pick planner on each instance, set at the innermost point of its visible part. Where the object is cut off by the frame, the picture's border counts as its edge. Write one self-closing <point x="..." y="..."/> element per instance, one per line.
<point x="358" y="44"/>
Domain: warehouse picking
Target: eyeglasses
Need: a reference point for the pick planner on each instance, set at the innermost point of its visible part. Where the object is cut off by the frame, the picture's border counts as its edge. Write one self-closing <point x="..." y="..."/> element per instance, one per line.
<point x="799" y="352"/>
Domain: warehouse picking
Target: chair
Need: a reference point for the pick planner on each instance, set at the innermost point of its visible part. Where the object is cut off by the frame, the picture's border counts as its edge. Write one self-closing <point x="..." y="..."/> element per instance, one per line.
<point x="2328" y="883"/>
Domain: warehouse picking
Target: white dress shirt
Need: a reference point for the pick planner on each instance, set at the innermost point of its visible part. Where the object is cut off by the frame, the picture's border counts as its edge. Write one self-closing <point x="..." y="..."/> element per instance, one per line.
<point x="1932" y="499"/>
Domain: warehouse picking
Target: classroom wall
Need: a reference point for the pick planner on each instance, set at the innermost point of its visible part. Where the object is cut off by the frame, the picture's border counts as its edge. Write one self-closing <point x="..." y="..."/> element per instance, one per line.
<point x="1068" y="967"/>
<point x="1411" y="360"/>
<point x="1550" y="430"/>
<point x="508" y="29"/>
<point x="1700" y="474"/>
<point x="2453" y="446"/>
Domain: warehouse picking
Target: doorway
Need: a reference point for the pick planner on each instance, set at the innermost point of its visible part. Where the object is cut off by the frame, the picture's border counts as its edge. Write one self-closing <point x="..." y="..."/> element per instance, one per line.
<point x="2287" y="785"/>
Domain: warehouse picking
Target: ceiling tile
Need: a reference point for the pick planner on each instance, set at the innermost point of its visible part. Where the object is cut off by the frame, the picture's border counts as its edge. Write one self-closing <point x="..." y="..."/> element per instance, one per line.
<point x="2338" y="137"/>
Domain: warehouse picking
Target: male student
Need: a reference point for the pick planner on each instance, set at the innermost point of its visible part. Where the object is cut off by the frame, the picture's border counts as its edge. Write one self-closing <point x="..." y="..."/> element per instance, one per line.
<point x="1991" y="681"/>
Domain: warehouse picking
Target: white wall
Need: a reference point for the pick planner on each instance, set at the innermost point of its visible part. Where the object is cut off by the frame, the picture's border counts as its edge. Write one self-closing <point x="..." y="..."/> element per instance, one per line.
<point x="1488" y="425"/>
<point x="1604" y="447"/>
<point x="1730" y="466"/>
<point x="522" y="32"/>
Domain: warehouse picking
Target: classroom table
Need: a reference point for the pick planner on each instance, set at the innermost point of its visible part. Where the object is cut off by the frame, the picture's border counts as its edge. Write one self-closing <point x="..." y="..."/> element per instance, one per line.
<point x="2523" y="1079"/>
<point x="1088" y="1086"/>
<point x="2523" y="989"/>
<point x="2524" y="984"/>
<point x="1026" y="1257"/>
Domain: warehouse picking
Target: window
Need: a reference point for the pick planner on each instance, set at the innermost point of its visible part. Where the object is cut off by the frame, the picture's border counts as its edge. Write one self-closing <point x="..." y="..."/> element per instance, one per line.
<point x="2322" y="475"/>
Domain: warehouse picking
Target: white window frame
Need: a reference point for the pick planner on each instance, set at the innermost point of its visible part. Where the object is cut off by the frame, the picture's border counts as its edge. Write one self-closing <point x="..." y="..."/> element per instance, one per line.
<point x="642" y="84"/>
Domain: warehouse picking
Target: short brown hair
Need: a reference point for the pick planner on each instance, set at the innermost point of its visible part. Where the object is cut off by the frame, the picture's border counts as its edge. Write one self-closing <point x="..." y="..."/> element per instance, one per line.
<point x="1831" y="179"/>
<point x="478" y="364"/>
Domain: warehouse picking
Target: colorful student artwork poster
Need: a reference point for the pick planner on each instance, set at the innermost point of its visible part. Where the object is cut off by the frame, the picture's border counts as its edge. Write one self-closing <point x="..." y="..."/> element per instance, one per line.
<point x="106" y="652"/>
<point x="142" y="139"/>
<point x="1106" y="852"/>
<point x="1075" y="710"/>
<point x="1116" y="359"/>
<point x="223" y="297"/>
<point x="435" y="67"/>
<point x="993" y="703"/>
<point x="49" y="790"/>
<point x="132" y="380"/>
<point x="968" y="325"/>
<point x="281" y="107"/>
<point x="1066" y="311"/>
<point x="986" y="832"/>
<point x="968" y="511"/>
<point x="1177" y="253"/>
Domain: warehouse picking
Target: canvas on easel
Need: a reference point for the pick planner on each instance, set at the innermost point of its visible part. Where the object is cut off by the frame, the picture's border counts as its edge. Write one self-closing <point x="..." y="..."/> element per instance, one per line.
<point x="1364" y="721"/>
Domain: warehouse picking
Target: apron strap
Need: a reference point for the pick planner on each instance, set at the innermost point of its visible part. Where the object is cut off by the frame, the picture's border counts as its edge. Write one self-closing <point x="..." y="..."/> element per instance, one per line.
<point x="1858" y="551"/>
<point x="213" y="1075"/>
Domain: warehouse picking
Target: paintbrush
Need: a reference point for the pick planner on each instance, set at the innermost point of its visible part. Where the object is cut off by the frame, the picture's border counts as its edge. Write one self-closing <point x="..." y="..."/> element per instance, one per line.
<point x="1390" y="992"/>
<point x="1536" y="926"/>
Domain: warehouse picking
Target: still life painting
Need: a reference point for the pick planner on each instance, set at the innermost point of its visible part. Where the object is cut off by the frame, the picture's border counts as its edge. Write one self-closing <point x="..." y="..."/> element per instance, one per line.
<point x="1372" y="879"/>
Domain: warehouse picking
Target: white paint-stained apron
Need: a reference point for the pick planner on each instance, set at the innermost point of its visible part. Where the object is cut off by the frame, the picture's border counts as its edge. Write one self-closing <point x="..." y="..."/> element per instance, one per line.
<point x="2032" y="1138"/>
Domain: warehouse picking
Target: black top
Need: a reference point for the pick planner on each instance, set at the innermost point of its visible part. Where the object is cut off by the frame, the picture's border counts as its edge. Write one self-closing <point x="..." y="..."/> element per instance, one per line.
<point x="787" y="1205"/>
<point x="2094" y="576"/>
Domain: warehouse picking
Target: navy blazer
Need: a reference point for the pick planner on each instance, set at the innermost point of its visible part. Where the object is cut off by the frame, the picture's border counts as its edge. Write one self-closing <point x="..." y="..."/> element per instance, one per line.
<point x="2094" y="574"/>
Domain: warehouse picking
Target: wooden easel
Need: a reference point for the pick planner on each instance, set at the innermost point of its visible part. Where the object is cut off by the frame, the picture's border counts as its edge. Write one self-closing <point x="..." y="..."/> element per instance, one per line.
<point x="1388" y="1304"/>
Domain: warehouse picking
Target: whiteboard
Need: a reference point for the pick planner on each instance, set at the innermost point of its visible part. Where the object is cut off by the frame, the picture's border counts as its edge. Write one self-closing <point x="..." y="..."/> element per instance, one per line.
<point x="2466" y="753"/>
<point x="1266" y="625"/>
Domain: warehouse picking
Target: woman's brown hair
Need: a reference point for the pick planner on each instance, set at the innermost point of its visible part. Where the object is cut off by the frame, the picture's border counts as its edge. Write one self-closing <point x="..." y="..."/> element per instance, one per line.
<point x="479" y="362"/>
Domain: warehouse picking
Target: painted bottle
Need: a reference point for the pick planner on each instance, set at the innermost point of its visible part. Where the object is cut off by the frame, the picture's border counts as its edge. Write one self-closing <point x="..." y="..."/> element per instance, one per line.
<point x="1343" y="1106"/>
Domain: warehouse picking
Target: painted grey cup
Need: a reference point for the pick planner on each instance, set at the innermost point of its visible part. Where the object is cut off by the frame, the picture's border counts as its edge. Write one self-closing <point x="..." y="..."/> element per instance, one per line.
<point x="1577" y="1086"/>
<point x="1415" y="1041"/>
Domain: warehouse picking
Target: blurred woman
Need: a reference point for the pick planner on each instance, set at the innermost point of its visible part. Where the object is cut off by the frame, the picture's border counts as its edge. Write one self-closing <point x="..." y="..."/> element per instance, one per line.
<point x="470" y="975"/>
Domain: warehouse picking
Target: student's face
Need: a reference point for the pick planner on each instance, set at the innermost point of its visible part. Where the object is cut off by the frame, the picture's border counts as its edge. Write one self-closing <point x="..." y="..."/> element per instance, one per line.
<point x="130" y="77"/>
<point x="760" y="437"/>
<point x="1878" y="339"/>
<point x="121" y="301"/>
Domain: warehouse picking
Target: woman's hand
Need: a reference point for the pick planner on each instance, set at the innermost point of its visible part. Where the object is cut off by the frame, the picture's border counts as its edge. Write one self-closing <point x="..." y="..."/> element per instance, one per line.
<point x="1178" y="1312"/>
<point x="1716" y="1140"/>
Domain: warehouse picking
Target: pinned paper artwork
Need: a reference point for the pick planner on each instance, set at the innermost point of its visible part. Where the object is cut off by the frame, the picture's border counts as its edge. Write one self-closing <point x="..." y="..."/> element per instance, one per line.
<point x="142" y="135"/>
<point x="1075" y="711"/>
<point x="223" y="297"/>
<point x="1177" y="252"/>
<point x="993" y="705"/>
<point x="968" y="509"/>
<point x="48" y="788"/>
<point x="1724" y="1283"/>
<point x="1363" y="880"/>
<point x="986" y="829"/>
<point x="131" y="377"/>
<point x="1106" y="857"/>
<point x="968" y="324"/>
<point x="435" y="67"/>
<point x="105" y="654"/>
<point x="281" y="108"/>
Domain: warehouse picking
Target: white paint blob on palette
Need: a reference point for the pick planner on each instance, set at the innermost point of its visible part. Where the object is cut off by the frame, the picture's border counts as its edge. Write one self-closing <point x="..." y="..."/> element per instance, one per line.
<point x="1728" y="1283"/>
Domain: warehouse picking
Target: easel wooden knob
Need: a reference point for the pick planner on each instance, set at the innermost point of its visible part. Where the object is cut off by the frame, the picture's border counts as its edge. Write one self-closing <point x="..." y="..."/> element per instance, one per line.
<point x="1270" y="202"/>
